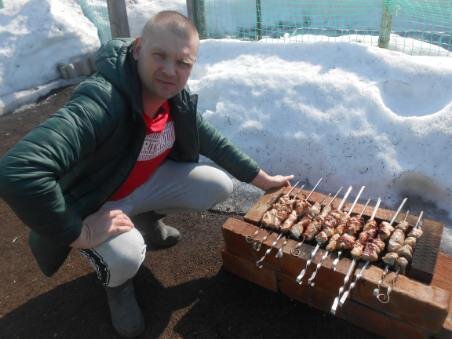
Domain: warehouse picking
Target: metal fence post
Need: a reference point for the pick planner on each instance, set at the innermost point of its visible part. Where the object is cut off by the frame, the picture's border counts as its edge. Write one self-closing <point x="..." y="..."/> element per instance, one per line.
<point x="196" y="13"/>
<point x="258" y="20"/>
<point x="386" y="24"/>
<point x="117" y="12"/>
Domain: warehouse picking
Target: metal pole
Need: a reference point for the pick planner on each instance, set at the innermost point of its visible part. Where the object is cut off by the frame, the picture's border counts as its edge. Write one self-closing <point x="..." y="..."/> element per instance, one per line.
<point x="196" y="13"/>
<point x="386" y="24"/>
<point x="258" y="20"/>
<point x="117" y="13"/>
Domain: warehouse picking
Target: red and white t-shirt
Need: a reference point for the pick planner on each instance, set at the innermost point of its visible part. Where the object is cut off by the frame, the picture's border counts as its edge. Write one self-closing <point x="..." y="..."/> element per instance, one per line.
<point x="159" y="141"/>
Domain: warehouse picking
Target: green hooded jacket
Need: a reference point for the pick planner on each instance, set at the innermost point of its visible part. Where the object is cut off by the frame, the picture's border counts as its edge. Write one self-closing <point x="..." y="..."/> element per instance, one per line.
<point x="67" y="167"/>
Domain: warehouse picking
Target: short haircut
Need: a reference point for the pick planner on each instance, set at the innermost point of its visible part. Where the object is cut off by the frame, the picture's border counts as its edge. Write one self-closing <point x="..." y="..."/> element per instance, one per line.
<point x="174" y="21"/>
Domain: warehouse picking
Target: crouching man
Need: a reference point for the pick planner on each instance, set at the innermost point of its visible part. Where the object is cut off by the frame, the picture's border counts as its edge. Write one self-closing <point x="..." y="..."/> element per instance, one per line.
<point x="122" y="152"/>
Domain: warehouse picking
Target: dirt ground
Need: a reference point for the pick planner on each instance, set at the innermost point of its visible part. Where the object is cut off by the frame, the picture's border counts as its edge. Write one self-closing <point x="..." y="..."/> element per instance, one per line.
<point x="183" y="291"/>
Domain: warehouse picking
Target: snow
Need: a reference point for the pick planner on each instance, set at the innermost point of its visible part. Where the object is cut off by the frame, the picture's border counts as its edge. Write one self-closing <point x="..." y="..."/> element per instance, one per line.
<point x="35" y="36"/>
<point x="351" y="113"/>
<point x="347" y="112"/>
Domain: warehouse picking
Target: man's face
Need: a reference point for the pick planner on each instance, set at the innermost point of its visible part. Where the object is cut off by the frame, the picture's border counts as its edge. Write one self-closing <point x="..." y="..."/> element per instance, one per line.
<point x="165" y="61"/>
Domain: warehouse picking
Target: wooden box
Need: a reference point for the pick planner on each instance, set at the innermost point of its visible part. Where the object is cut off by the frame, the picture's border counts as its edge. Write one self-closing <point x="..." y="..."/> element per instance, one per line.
<point x="420" y="304"/>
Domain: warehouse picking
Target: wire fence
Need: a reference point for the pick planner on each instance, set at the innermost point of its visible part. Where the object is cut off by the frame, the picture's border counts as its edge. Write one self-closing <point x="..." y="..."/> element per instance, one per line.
<point x="421" y="27"/>
<point x="97" y="12"/>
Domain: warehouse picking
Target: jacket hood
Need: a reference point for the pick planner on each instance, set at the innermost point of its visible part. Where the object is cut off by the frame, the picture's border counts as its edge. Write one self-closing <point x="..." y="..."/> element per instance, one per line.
<point x="115" y="62"/>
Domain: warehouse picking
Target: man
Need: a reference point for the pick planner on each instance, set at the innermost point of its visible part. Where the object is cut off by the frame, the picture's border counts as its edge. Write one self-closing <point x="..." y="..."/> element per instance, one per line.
<point x="126" y="145"/>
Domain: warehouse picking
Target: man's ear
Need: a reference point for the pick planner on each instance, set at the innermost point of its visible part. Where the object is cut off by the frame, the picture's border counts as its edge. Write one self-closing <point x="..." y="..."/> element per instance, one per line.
<point x="136" y="48"/>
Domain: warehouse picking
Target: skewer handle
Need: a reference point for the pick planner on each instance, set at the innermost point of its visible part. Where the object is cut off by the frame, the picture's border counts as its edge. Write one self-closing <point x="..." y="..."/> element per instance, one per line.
<point x="319" y="264"/>
<point x="342" y="288"/>
<point x="258" y="244"/>
<point x="336" y="261"/>
<point x="260" y="262"/>
<point x="250" y="238"/>
<point x="378" y="289"/>
<point x="280" y="252"/>
<point x="353" y="284"/>
<point x="303" y="271"/>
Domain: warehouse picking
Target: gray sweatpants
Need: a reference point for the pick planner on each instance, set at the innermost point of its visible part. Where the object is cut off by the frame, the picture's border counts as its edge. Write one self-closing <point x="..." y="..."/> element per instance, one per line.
<point x="173" y="187"/>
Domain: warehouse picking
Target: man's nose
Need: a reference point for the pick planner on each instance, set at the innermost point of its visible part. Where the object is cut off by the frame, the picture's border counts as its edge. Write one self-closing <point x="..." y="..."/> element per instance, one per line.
<point x="169" y="68"/>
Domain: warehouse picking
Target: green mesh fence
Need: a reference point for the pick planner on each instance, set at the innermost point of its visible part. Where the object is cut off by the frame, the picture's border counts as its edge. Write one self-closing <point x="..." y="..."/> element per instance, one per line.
<point x="419" y="27"/>
<point x="97" y="12"/>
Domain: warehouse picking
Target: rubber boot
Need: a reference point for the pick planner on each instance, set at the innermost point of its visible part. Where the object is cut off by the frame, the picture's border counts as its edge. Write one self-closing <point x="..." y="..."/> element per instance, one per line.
<point x="156" y="233"/>
<point x="125" y="313"/>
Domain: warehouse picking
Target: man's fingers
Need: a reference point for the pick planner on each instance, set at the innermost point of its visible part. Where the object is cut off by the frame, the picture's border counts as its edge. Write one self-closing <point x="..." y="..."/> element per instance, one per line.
<point x="123" y="222"/>
<point x="114" y="213"/>
<point x="121" y="229"/>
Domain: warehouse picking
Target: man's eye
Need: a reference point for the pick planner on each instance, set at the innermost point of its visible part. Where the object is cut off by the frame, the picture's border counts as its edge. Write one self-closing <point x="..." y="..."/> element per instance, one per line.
<point x="184" y="63"/>
<point x="158" y="55"/>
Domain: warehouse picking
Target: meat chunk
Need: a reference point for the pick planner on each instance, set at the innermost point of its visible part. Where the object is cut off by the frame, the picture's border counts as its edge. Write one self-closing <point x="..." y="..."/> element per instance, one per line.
<point x="405" y="251"/>
<point x="402" y="263"/>
<point x="357" y="251"/>
<point x="390" y="258"/>
<point x="403" y="225"/>
<point x="345" y="242"/>
<point x="411" y="241"/>
<point x="385" y="230"/>
<point x="416" y="232"/>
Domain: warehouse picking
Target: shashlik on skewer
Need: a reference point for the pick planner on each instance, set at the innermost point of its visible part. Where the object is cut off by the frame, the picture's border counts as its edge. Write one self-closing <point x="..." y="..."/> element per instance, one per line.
<point x="395" y="242"/>
<point x="299" y="209"/>
<point x="350" y="245"/>
<point x="369" y="251"/>
<point x="283" y="199"/>
<point x="272" y="218"/>
<point x="318" y="224"/>
<point x="315" y="212"/>
<point x="416" y="232"/>
<point x="282" y="209"/>
<point x="345" y="240"/>
<point x="280" y="252"/>
<point x="323" y="236"/>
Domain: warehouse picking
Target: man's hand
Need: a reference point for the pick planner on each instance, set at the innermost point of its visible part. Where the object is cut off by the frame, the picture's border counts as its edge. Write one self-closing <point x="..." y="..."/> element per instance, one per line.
<point x="265" y="181"/>
<point x="101" y="226"/>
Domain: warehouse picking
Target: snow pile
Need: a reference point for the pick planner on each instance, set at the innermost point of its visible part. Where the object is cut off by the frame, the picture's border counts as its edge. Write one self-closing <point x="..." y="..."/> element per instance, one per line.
<point x="347" y="112"/>
<point x="35" y="36"/>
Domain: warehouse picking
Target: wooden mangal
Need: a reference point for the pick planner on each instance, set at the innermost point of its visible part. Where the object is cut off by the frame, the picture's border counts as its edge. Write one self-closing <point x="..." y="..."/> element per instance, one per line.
<point x="420" y="305"/>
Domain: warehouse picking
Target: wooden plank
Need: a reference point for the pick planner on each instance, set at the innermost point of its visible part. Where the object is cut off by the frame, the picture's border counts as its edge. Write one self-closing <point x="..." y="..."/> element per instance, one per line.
<point x="247" y="270"/>
<point x="441" y="278"/>
<point x="416" y="303"/>
<point x="353" y="312"/>
<point x="264" y="203"/>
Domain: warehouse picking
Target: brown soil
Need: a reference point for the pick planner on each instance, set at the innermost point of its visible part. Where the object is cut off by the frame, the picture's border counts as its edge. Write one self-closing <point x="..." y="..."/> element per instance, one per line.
<point x="183" y="291"/>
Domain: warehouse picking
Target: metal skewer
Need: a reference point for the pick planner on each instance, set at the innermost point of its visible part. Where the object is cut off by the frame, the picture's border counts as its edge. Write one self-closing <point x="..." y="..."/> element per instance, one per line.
<point x="300" y="276"/>
<point x="351" y="267"/>
<point x="385" y="297"/>
<point x="339" y="254"/>
<point x="256" y="244"/>
<point x="377" y="290"/>
<point x="280" y="252"/>
<point x="296" y="250"/>
<point x="327" y="253"/>
<point x="260" y="262"/>
<point x="358" y="277"/>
